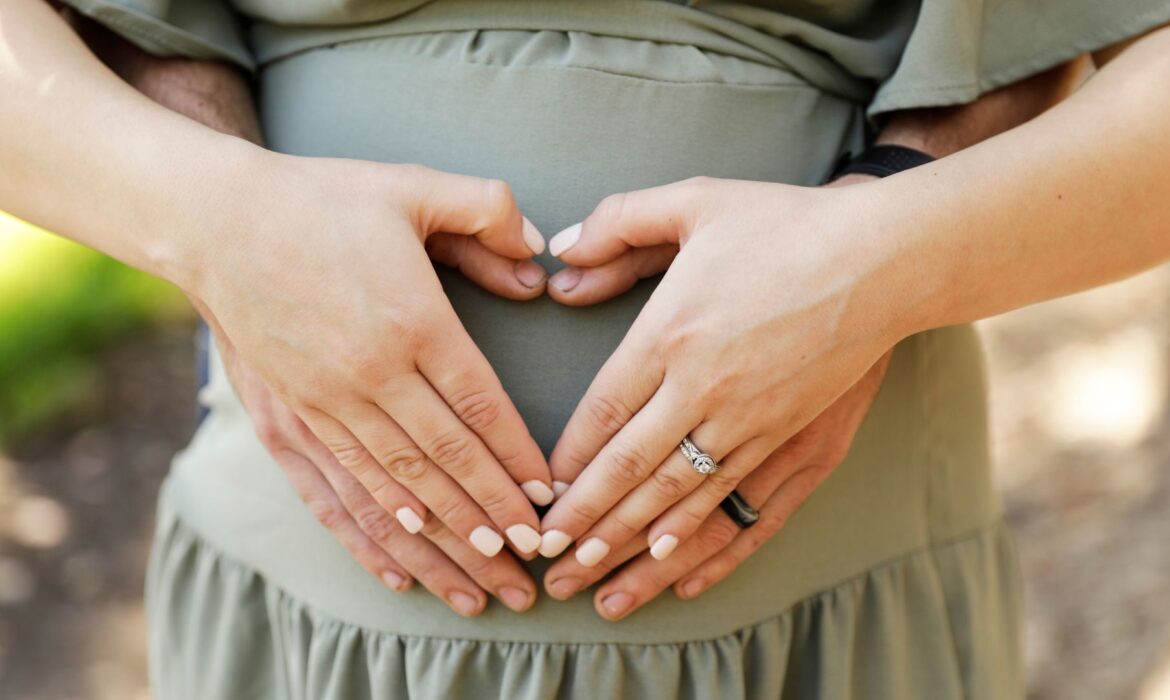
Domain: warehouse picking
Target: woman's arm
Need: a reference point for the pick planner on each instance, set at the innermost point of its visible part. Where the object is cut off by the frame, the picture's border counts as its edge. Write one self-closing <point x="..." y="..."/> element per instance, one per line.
<point x="287" y="258"/>
<point x="219" y="96"/>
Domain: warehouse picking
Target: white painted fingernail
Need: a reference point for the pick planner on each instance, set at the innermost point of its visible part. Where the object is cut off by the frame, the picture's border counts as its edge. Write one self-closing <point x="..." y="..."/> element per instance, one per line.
<point x="409" y="519"/>
<point x="538" y="492"/>
<point x="525" y="538"/>
<point x="663" y="546"/>
<point x="592" y="551"/>
<point x="486" y="540"/>
<point x="559" y="488"/>
<point x="532" y="237"/>
<point x="564" y="240"/>
<point x="553" y="543"/>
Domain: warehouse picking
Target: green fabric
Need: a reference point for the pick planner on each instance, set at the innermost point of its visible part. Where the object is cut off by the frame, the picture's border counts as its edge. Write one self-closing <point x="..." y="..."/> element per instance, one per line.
<point x="205" y="29"/>
<point x="895" y="580"/>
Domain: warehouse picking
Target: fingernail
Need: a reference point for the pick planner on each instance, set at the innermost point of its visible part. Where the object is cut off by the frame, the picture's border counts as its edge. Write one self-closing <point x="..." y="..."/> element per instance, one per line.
<point x="532" y="237"/>
<point x="592" y="551"/>
<point x="514" y="598"/>
<point x="464" y="604"/>
<point x="553" y="543"/>
<point x="566" y="279"/>
<point x="564" y="240"/>
<point x="525" y="538"/>
<point x="393" y="580"/>
<point x="693" y="587"/>
<point x="559" y="488"/>
<point x="486" y="540"/>
<point x="409" y="519"/>
<point x="663" y="546"/>
<point x="538" y="492"/>
<point x="617" y="603"/>
<point x="564" y="587"/>
<point x="529" y="272"/>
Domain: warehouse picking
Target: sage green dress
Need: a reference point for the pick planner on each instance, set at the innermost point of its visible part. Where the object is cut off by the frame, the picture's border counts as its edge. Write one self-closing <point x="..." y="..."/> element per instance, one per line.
<point x="896" y="579"/>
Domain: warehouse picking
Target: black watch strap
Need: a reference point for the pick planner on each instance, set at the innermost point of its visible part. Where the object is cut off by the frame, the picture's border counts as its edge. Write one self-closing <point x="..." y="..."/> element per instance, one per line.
<point x="880" y="161"/>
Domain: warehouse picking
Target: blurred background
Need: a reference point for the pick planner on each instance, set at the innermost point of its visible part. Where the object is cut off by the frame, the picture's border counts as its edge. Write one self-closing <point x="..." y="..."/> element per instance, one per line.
<point x="97" y="390"/>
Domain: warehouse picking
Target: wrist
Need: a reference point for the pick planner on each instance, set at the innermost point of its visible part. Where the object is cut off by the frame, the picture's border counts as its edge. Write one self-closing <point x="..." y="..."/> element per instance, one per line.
<point x="209" y="200"/>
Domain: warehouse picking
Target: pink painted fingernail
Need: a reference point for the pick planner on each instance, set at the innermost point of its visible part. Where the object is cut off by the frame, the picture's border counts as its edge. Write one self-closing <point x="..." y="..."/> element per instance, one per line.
<point x="525" y="538"/>
<point x="514" y="598"/>
<point x="532" y="237"/>
<point x="567" y="279"/>
<point x="393" y="580"/>
<point x="538" y="492"/>
<point x="409" y="519"/>
<point x="592" y="551"/>
<point x="616" y="604"/>
<point x="564" y="587"/>
<point x="559" y="488"/>
<point x="463" y="603"/>
<point x="553" y="543"/>
<point x="693" y="587"/>
<point x="564" y="240"/>
<point x="486" y="540"/>
<point x="663" y="546"/>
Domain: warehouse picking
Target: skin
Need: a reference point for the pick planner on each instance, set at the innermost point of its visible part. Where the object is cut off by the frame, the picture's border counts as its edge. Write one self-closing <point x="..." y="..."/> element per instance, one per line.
<point x="377" y="366"/>
<point x="700" y="361"/>
<point x="218" y="95"/>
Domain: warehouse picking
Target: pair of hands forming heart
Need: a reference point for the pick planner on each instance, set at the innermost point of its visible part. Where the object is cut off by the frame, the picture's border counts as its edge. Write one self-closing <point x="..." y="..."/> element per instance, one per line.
<point x="410" y="431"/>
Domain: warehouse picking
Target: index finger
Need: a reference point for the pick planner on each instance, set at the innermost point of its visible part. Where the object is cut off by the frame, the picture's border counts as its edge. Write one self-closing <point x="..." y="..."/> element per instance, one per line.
<point x="461" y="375"/>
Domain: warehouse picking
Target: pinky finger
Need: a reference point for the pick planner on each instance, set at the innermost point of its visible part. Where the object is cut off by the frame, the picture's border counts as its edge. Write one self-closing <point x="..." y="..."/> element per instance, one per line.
<point x="773" y="515"/>
<point x="326" y="506"/>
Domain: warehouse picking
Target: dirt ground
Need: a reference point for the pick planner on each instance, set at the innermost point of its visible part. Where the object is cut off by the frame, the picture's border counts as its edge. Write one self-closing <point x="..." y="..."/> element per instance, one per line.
<point x="1082" y="437"/>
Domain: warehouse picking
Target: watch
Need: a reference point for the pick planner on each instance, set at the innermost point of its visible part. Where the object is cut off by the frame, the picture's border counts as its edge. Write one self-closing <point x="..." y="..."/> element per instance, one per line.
<point x="881" y="161"/>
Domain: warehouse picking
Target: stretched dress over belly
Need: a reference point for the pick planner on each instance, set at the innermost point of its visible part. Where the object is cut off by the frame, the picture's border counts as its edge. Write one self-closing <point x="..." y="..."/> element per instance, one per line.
<point x="895" y="580"/>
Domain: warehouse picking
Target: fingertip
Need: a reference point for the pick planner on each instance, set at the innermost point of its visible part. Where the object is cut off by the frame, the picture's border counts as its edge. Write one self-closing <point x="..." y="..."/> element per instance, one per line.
<point x="532" y="237"/>
<point x="538" y="492"/>
<point x="615" y="606"/>
<point x="560" y="488"/>
<point x="466" y="604"/>
<point x="531" y="275"/>
<point x="396" y="581"/>
<point x="564" y="240"/>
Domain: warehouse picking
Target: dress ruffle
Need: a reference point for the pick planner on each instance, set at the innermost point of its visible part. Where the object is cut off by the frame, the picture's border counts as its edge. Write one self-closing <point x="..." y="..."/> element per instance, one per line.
<point x="221" y="631"/>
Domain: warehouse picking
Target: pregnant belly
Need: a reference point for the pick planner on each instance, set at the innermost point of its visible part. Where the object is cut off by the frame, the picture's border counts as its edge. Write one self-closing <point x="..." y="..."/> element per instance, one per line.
<point x="567" y="119"/>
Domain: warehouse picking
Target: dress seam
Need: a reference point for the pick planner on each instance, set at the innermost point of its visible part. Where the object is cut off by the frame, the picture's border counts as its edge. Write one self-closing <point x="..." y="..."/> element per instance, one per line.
<point x="325" y="619"/>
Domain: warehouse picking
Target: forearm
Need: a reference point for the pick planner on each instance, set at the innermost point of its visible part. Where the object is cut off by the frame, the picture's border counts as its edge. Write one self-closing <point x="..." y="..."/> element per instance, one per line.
<point x="90" y="158"/>
<point x="1076" y="198"/>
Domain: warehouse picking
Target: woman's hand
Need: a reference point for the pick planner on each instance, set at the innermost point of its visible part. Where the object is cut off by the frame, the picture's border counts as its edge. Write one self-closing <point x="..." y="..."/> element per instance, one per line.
<point x="446" y="565"/>
<point x="320" y="280"/>
<point x="774" y="307"/>
<point x="776" y="488"/>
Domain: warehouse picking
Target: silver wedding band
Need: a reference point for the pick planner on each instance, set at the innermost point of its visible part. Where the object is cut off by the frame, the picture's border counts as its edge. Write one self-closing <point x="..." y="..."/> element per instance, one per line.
<point x="700" y="460"/>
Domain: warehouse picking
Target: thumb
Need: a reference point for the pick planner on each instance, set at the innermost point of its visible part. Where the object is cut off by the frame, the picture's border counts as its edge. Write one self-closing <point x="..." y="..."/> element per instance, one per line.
<point x="474" y="206"/>
<point x="638" y="219"/>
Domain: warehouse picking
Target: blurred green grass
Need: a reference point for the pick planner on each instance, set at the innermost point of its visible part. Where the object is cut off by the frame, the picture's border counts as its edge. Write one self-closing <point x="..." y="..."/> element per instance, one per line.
<point x="60" y="305"/>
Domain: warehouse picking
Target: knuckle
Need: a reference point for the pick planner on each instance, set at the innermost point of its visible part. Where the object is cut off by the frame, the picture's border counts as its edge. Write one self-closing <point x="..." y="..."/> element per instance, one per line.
<point x="269" y="433"/>
<point x="607" y="414"/>
<point x="479" y="568"/>
<point x="377" y="524"/>
<point x="669" y="485"/>
<point x="717" y="534"/>
<point x="622" y="526"/>
<point x="494" y="501"/>
<point x="446" y="514"/>
<point x="453" y="451"/>
<point x="477" y="408"/>
<point x="628" y="465"/>
<point x="722" y="482"/>
<point x="609" y="210"/>
<point x="352" y="456"/>
<point x="583" y="512"/>
<point x="501" y="202"/>
<point x="406" y="463"/>
<point x="330" y="515"/>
